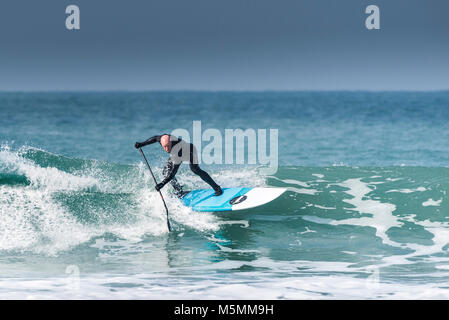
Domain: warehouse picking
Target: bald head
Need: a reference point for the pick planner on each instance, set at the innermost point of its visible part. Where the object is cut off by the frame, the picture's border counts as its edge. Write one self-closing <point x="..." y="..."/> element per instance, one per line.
<point x="166" y="143"/>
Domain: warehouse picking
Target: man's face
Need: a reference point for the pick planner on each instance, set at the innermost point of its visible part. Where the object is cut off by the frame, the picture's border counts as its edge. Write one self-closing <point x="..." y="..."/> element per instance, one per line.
<point x="166" y="143"/>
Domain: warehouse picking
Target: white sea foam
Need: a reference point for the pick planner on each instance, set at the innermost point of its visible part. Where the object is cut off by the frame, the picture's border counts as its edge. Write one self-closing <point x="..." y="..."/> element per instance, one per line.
<point x="34" y="220"/>
<point x="323" y="207"/>
<point x="302" y="190"/>
<point x="31" y="220"/>
<point x="308" y="231"/>
<point x="419" y="189"/>
<point x="432" y="202"/>
<point x="308" y="284"/>
<point x="382" y="217"/>
<point x="49" y="178"/>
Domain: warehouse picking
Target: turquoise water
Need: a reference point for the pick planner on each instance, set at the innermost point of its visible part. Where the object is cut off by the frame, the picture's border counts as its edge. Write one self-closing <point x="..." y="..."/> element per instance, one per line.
<point x="365" y="214"/>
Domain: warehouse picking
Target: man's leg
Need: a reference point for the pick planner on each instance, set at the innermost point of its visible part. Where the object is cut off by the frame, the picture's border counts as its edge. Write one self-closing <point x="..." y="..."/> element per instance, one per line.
<point x="203" y="174"/>
<point x="175" y="184"/>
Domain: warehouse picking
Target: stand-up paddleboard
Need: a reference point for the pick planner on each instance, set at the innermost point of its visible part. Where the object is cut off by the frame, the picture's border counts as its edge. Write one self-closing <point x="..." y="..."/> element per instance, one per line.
<point x="232" y="198"/>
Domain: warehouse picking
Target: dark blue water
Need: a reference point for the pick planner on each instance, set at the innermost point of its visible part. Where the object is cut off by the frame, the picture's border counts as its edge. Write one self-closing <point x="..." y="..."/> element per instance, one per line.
<point x="315" y="128"/>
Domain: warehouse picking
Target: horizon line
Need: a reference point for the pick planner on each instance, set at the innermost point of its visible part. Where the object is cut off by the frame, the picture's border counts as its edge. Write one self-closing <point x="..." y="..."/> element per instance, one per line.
<point x="218" y="90"/>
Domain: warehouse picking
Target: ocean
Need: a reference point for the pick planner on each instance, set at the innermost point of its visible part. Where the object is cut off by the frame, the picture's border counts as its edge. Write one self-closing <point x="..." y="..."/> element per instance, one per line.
<point x="365" y="215"/>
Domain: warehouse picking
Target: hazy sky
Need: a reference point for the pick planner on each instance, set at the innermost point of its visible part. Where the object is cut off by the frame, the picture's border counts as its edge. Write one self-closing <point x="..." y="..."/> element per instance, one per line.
<point x="224" y="45"/>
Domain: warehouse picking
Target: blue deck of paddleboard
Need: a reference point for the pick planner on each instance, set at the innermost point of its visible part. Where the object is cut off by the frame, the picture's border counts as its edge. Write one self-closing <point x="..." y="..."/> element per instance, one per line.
<point x="205" y="200"/>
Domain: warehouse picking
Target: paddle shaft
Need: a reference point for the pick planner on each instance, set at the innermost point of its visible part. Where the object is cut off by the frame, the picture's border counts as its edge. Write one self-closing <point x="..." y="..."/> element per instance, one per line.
<point x="160" y="193"/>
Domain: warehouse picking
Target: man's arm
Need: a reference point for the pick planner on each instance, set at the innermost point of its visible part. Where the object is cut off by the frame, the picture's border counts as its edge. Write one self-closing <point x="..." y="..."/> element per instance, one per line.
<point x="151" y="140"/>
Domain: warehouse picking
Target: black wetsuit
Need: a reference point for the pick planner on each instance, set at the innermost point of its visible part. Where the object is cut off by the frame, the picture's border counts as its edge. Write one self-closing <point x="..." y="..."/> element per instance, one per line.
<point x="180" y="151"/>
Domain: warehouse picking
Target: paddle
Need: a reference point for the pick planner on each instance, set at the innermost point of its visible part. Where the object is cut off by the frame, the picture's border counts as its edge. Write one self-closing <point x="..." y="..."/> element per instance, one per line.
<point x="166" y="210"/>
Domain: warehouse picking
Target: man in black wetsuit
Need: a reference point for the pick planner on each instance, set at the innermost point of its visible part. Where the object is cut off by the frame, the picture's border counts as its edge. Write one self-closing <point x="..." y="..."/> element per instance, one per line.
<point x="179" y="151"/>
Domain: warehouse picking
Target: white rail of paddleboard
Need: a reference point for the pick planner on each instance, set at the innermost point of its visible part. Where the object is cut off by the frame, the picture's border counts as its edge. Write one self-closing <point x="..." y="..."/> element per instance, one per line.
<point x="257" y="197"/>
